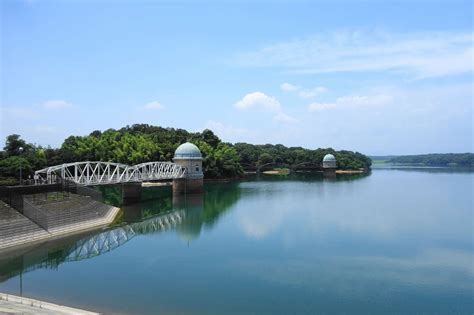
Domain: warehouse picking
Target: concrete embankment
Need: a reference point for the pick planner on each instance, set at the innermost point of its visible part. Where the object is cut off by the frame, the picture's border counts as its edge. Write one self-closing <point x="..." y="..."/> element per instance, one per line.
<point x="12" y="304"/>
<point x="43" y="220"/>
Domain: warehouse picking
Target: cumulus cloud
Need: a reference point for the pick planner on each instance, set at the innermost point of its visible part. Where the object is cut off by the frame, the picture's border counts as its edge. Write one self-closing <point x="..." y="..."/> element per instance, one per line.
<point x="421" y="54"/>
<point x="153" y="105"/>
<point x="287" y="87"/>
<point x="56" y="104"/>
<point x="267" y="103"/>
<point x="353" y="102"/>
<point x="258" y="100"/>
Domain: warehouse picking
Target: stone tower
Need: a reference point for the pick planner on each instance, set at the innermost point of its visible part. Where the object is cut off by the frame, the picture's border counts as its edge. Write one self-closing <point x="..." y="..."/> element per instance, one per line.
<point x="189" y="156"/>
<point x="329" y="165"/>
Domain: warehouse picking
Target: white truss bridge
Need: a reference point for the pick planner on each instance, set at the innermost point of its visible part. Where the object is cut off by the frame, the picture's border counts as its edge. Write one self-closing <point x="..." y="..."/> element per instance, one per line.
<point x="100" y="173"/>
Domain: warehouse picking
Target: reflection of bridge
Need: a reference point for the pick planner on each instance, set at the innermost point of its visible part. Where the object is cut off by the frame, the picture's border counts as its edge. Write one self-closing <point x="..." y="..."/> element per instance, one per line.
<point x="109" y="240"/>
<point x="98" y="173"/>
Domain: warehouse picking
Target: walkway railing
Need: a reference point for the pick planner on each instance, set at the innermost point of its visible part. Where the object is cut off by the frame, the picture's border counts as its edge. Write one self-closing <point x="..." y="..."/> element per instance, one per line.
<point x="35" y="214"/>
<point x="98" y="173"/>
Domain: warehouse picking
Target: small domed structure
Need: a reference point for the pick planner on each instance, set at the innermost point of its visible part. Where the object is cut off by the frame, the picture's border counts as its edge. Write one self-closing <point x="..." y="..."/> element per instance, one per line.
<point x="189" y="156"/>
<point x="329" y="161"/>
<point x="188" y="151"/>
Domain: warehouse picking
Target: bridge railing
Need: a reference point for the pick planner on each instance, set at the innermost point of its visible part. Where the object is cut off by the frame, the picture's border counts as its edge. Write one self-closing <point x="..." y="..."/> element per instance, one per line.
<point x="35" y="214"/>
<point x="97" y="173"/>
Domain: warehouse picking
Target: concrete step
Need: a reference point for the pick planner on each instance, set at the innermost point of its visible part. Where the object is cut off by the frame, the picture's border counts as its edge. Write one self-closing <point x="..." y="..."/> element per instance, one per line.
<point x="61" y="230"/>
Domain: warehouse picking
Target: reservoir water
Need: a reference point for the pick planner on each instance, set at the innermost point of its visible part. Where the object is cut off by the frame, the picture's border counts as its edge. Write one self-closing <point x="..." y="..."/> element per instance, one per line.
<point x="397" y="241"/>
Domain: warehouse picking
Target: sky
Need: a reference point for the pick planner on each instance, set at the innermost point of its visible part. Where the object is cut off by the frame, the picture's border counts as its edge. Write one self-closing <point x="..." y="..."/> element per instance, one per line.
<point x="379" y="77"/>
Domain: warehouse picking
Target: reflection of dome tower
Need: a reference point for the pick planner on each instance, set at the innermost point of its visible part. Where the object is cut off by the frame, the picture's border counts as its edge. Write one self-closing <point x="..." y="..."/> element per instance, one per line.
<point x="190" y="228"/>
<point x="189" y="156"/>
<point x="329" y="166"/>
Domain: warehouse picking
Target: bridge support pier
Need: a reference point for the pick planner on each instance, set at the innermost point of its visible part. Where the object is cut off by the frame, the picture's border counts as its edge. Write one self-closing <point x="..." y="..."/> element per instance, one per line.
<point x="131" y="193"/>
<point x="183" y="186"/>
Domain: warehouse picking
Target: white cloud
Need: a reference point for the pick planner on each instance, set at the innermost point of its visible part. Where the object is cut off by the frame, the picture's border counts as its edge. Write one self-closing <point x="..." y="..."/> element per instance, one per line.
<point x="258" y="100"/>
<point x="268" y="103"/>
<point x="311" y="93"/>
<point x="302" y="92"/>
<point x="373" y="100"/>
<point x="353" y="102"/>
<point x="56" y="104"/>
<point x="287" y="87"/>
<point x="284" y="118"/>
<point x="422" y="54"/>
<point x="153" y="105"/>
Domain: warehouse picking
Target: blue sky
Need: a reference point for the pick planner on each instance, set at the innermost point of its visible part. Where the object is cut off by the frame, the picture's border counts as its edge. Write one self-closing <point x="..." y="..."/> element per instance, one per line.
<point x="377" y="77"/>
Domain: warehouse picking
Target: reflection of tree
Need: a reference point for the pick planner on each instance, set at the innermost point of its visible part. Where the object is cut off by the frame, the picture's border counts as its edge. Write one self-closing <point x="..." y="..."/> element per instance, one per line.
<point x="307" y="177"/>
<point x="142" y="211"/>
<point x="112" y="194"/>
<point x="349" y="177"/>
<point x="201" y="210"/>
<point x="47" y="256"/>
<point x="426" y="169"/>
<point x="205" y="210"/>
<point x="218" y="199"/>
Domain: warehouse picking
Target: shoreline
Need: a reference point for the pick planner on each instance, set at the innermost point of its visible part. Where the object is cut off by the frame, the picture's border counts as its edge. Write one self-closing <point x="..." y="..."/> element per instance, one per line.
<point x="14" y="304"/>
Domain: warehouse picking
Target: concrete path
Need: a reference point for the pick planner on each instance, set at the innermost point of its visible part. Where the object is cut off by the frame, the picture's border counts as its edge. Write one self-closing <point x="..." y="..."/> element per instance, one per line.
<point x="12" y="304"/>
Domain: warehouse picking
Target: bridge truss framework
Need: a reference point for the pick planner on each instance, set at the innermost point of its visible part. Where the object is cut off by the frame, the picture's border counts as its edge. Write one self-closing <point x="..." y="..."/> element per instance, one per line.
<point x="98" y="173"/>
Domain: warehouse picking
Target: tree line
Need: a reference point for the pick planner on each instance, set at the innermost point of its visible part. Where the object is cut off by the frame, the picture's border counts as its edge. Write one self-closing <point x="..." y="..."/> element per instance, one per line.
<point x="143" y="143"/>
<point x="255" y="155"/>
<point x="437" y="159"/>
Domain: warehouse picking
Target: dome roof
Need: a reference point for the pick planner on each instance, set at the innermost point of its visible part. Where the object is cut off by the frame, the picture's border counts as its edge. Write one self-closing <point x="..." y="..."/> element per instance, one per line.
<point x="329" y="157"/>
<point x="187" y="151"/>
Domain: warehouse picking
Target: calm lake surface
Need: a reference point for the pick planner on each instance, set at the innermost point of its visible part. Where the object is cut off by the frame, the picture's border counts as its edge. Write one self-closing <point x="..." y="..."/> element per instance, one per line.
<point x="398" y="241"/>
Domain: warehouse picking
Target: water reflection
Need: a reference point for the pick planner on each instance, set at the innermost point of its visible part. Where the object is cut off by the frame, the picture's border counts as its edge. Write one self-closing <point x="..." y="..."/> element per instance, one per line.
<point x="159" y="212"/>
<point x="424" y="169"/>
<point x="392" y="242"/>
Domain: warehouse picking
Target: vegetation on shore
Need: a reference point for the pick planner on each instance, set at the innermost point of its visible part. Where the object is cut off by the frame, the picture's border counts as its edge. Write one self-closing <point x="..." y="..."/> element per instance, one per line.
<point x="143" y="143"/>
<point x="436" y="159"/>
<point x="255" y="155"/>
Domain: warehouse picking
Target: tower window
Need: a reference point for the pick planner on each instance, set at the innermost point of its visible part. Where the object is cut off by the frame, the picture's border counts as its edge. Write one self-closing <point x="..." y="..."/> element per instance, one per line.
<point x="197" y="169"/>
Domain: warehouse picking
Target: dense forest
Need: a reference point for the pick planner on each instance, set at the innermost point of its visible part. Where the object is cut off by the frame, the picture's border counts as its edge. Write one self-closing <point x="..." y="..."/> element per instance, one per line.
<point x="142" y="143"/>
<point x="439" y="159"/>
<point x="254" y="155"/>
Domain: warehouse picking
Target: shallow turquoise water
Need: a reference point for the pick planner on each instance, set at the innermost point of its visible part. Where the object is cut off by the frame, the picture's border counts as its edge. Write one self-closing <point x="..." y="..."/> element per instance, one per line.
<point x="393" y="242"/>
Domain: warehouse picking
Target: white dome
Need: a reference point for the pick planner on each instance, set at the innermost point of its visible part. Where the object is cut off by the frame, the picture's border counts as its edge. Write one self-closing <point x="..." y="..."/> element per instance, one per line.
<point x="329" y="157"/>
<point x="187" y="151"/>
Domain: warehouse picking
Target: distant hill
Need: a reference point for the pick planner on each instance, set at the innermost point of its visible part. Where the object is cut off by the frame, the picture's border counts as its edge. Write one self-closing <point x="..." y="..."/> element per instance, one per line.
<point x="382" y="157"/>
<point x="435" y="159"/>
